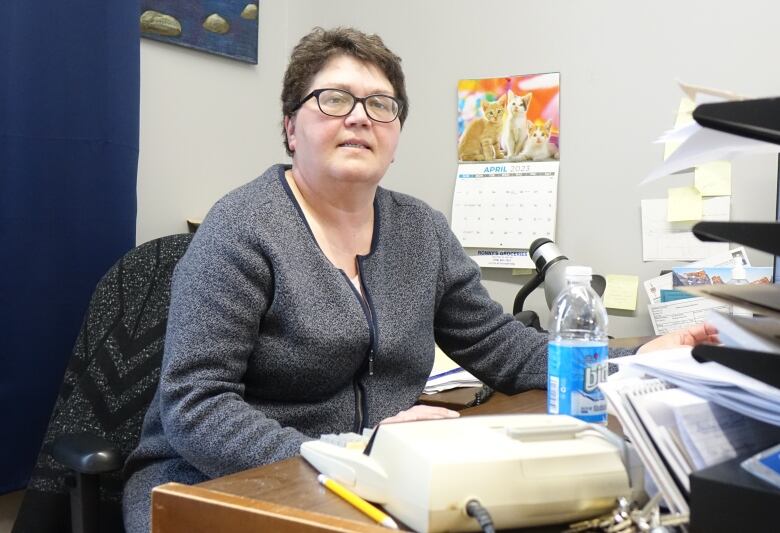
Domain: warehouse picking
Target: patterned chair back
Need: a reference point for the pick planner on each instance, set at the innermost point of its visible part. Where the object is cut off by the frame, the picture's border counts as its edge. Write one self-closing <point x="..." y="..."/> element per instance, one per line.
<point x="109" y="382"/>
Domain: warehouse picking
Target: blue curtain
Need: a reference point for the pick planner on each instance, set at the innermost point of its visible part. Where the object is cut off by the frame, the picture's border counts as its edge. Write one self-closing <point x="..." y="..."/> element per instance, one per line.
<point x="69" y="91"/>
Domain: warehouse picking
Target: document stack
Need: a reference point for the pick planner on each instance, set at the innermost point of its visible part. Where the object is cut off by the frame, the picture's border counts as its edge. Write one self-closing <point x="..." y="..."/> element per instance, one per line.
<point x="739" y="381"/>
<point x="446" y="375"/>
<point x="684" y="416"/>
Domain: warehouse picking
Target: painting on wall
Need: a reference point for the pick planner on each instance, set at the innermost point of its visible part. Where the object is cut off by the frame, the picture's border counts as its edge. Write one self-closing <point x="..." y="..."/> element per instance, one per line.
<point x="223" y="27"/>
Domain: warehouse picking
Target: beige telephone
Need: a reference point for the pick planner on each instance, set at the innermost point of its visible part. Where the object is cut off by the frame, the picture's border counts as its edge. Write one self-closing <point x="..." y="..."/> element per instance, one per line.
<point x="524" y="469"/>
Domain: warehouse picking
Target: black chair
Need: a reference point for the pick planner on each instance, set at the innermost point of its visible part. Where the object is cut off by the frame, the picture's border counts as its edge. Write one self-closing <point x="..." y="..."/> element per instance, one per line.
<point x="76" y="484"/>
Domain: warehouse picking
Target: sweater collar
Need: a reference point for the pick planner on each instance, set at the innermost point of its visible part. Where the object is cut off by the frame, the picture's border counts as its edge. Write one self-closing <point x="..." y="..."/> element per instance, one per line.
<point x="281" y="169"/>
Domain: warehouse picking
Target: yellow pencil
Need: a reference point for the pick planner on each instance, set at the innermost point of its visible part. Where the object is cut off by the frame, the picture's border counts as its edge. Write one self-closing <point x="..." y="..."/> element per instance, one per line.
<point x="358" y="502"/>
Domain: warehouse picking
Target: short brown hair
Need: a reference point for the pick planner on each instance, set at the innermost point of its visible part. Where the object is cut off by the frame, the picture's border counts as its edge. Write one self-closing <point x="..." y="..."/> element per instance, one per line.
<point x="315" y="49"/>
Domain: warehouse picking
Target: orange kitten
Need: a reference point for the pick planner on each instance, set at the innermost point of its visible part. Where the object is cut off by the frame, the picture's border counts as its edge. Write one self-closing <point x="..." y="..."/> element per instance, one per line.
<point x="480" y="140"/>
<point x="538" y="146"/>
<point x="515" y="131"/>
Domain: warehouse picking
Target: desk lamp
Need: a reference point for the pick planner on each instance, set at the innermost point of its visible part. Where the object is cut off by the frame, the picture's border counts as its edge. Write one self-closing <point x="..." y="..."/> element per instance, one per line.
<point x="551" y="269"/>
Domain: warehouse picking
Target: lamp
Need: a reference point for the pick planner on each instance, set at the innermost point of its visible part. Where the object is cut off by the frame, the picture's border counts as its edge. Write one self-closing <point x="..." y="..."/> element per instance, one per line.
<point x="551" y="269"/>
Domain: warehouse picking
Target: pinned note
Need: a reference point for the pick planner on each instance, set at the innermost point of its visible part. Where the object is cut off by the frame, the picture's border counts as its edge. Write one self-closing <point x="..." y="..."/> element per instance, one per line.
<point x="621" y="292"/>
<point x="685" y="111"/>
<point x="683" y="203"/>
<point x="713" y="179"/>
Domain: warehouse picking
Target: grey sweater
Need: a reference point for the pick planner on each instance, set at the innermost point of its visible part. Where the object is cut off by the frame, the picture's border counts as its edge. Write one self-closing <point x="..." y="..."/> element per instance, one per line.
<point x="269" y="345"/>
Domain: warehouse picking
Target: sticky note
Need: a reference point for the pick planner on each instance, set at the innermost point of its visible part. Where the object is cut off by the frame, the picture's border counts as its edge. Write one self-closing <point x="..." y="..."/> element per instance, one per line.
<point x="442" y="362"/>
<point x="669" y="149"/>
<point x="713" y="179"/>
<point x="683" y="203"/>
<point x="621" y="292"/>
<point x="684" y="111"/>
<point x="523" y="271"/>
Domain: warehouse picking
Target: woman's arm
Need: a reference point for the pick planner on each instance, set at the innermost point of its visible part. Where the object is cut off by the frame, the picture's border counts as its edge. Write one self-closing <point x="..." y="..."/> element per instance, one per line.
<point x="220" y="292"/>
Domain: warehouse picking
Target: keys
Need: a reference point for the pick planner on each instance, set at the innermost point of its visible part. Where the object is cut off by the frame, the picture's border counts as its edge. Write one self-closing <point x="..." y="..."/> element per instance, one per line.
<point x="617" y="516"/>
<point x="627" y="517"/>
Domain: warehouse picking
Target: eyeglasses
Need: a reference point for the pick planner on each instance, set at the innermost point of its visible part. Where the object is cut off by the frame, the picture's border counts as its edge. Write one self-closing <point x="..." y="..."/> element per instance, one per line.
<point x="338" y="103"/>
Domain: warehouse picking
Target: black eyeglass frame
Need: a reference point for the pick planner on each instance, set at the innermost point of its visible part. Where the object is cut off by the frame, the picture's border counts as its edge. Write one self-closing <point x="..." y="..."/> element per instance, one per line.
<point x="317" y="92"/>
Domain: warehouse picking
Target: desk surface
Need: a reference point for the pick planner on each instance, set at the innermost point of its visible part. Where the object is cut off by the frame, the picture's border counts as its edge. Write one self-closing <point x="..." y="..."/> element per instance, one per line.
<point x="285" y="496"/>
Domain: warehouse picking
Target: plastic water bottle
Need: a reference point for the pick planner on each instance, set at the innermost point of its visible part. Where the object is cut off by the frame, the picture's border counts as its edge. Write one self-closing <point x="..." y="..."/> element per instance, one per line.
<point x="739" y="277"/>
<point x="577" y="351"/>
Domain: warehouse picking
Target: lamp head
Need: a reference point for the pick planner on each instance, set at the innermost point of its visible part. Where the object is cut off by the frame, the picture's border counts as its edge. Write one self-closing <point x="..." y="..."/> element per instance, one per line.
<point x="551" y="265"/>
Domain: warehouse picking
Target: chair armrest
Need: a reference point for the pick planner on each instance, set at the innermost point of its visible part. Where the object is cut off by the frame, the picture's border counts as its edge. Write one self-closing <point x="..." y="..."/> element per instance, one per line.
<point x="86" y="453"/>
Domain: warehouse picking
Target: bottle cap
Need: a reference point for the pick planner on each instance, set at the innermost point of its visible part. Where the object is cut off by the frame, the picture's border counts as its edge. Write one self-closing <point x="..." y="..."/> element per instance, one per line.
<point x="738" y="272"/>
<point x="579" y="272"/>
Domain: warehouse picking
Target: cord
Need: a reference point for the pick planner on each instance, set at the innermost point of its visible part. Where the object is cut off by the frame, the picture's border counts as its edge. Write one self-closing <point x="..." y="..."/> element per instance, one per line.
<point x="481" y="396"/>
<point x="475" y="510"/>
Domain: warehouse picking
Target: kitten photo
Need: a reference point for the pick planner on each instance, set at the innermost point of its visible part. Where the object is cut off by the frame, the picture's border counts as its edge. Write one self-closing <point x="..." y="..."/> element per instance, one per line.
<point x="538" y="146"/>
<point x="480" y="141"/>
<point x="515" y="130"/>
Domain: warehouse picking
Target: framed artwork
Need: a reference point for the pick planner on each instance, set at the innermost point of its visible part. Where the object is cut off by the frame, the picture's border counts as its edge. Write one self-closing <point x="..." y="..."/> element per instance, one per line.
<point x="223" y="27"/>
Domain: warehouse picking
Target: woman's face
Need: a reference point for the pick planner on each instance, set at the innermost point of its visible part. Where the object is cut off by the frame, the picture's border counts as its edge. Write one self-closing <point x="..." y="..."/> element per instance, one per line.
<point x="353" y="148"/>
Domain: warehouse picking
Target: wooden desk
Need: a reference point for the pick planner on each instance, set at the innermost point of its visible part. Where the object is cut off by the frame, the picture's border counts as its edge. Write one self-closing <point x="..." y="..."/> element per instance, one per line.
<point x="285" y="496"/>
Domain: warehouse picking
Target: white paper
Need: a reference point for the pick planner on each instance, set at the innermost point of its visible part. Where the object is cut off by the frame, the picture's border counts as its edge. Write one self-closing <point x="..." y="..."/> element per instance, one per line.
<point x="615" y="392"/>
<point x="450" y="380"/>
<point x="733" y="334"/>
<point x="681" y="314"/>
<point x="498" y="258"/>
<point x="654" y="286"/>
<point x="505" y="205"/>
<point x="660" y="422"/>
<point x="714" y="434"/>
<point x="711" y="381"/>
<point x="447" y="374"/>
<point x="704" y="145"/>
<point x="674" y="241"/>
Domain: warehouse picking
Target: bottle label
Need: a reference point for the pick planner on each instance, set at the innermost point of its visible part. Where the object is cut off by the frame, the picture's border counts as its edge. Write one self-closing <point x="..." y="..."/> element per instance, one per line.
<point x="574" y="373"/>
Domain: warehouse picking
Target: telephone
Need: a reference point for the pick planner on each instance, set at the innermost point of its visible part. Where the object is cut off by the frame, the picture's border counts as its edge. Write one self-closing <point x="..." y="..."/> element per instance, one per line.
<point x="523" y="469"/>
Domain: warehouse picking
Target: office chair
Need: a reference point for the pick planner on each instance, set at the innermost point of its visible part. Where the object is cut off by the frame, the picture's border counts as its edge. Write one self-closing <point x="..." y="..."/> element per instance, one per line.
<point x="76" y="485"/>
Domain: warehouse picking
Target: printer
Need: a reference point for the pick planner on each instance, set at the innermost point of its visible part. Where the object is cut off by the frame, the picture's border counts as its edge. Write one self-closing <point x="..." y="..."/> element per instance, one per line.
<point x="524" y="470"/>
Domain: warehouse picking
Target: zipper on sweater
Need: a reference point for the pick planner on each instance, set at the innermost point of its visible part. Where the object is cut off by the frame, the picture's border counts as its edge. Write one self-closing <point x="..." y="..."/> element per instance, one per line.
<point x="365" y="302"/>
<point x="358" y="426"/>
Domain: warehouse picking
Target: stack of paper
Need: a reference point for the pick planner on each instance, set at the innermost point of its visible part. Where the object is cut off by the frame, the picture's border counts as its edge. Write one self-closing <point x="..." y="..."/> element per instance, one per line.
<point x="711" y="381"/>
<point x="616" y="392"/>
<point x="457" y="377"/>
<point x="702" y="145"/>
<point x="446" y="374"/>
<point x="678" y="314"/>
<point x="759" y="334"/>
<point x="676" y="433"/>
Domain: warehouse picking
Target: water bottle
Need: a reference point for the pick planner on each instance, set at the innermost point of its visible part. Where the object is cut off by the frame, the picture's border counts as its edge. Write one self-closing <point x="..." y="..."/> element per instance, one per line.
<point x="577" y="351"/>
<point x="739" y="277"/>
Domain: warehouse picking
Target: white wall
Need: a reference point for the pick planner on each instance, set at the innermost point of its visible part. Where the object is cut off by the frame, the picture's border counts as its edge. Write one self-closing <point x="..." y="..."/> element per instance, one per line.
<point x="209" y="124"/>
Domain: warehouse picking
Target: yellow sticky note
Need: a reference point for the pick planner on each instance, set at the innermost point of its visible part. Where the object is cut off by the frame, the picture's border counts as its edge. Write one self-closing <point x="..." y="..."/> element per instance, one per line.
<point x="523" y="271"/>
<point x="684" y="116"/>
<point x="713" y="179"/>
<point x="683" y="203"/>
<point x="442" y="362"/>
<point x="684" y="111"/>
<point x="669" y="149"/>
<point x="621" y="292"/>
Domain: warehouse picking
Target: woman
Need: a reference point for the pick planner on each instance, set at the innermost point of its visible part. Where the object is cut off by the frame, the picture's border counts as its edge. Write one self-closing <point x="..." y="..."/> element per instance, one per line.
<point x="310" y="299"/>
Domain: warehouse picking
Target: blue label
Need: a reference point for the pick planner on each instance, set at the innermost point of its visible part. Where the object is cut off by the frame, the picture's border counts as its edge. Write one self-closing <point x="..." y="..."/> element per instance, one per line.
<point x="574" y="371"/>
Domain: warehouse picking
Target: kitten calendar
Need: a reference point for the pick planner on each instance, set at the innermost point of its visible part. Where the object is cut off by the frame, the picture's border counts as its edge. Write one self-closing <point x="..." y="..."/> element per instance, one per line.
<point x="509" y="155"/>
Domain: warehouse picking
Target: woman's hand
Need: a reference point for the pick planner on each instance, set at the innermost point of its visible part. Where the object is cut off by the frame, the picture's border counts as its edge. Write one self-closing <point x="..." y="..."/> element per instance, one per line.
<point x="684" y="337"/>
<point x="421" y="412"/>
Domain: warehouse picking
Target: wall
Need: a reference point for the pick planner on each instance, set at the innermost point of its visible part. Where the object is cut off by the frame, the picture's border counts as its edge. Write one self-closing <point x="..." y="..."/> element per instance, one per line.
<point x="210" y="124"/>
